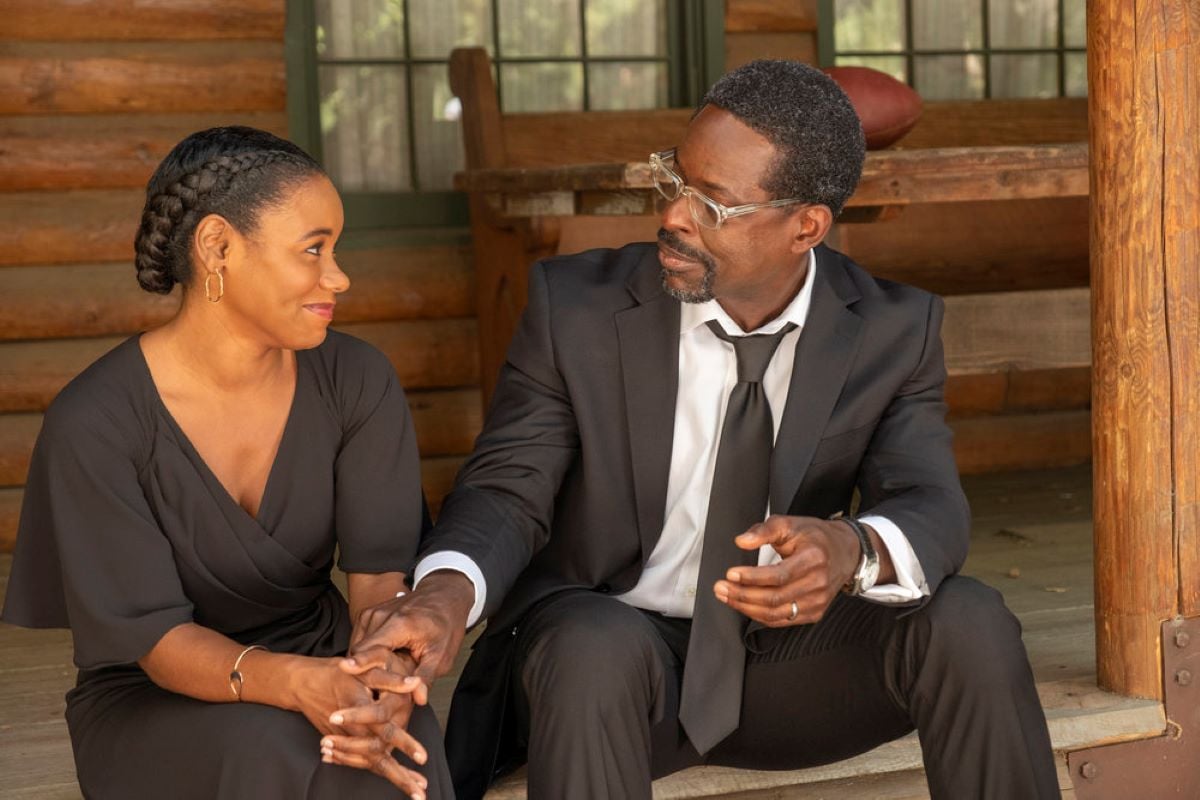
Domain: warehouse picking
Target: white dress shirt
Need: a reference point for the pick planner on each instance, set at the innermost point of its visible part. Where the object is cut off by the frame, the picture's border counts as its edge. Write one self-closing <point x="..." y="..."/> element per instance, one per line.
<point x="707" y="374"/>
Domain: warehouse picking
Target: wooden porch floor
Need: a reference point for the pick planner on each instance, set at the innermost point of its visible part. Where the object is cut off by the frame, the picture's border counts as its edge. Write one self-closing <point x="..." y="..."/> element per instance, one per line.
<point x="1031" y="539"/>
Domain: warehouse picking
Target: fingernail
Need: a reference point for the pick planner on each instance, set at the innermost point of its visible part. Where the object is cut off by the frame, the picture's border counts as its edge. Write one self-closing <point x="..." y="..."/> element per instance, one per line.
<point x="734" y="577"/>
<point x="419" y="757"/>
<point x="327" y="758"/>
<point x="325" y="751"/>
<point x="350" y="662"/>
<point x="336" y="719"/>
<point x="327" y="743"/>
<point x="418" y="796"/>
<point x="411" y="679"/>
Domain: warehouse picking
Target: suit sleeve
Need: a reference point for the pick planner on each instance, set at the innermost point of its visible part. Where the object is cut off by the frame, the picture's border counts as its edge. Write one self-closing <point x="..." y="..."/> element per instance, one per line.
<point x="908" y="474"/>
<point x="500" y="511"/>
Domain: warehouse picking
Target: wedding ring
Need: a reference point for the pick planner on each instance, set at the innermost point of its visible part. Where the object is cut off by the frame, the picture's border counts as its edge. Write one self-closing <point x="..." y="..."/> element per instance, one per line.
<point x="795" y="611"/>
<point x="401" y="594"/>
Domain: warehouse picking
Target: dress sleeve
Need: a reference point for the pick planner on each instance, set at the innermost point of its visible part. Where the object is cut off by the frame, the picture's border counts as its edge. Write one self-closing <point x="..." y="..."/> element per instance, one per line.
<point x="89" y="552"/>
<point x="380" y="513"/>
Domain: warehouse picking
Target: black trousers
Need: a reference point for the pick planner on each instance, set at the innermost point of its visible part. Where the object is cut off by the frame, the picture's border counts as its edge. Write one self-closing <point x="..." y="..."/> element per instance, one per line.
<point x="596" y="685"/>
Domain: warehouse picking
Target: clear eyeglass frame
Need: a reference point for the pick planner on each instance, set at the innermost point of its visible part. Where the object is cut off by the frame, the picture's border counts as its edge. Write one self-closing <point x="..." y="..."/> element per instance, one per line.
<point x="707" y="212"/>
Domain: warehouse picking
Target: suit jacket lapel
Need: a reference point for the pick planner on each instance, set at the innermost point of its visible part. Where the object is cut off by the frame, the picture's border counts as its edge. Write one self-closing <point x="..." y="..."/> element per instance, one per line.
<point x="828" y="343"/>
<point x="649" y="341"/>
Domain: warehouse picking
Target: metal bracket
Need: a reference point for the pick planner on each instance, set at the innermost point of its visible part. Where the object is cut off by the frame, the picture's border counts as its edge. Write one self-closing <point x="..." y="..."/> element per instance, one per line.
<point x="1163" y="766"/>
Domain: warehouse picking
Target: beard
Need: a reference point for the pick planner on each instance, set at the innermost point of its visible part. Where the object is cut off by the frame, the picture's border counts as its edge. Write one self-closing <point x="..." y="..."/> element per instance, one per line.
<point x="701" y="291"/>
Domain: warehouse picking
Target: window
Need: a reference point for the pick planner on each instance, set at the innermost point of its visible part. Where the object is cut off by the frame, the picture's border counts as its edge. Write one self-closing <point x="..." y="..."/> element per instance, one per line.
<point x="952" y="49"/>
<point x="374" y="102"/>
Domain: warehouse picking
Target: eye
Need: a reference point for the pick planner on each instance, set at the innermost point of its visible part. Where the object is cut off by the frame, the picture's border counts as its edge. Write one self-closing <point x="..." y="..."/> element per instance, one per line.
<point x="314" y="249"/>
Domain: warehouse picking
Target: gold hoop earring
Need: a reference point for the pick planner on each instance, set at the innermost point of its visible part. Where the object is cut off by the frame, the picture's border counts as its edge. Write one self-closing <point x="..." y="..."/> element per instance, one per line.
<point x="208" y="288"/>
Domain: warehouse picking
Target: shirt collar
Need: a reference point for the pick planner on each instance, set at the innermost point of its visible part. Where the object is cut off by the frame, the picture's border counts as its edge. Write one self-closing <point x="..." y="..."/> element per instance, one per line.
<point x="693" y="315"/>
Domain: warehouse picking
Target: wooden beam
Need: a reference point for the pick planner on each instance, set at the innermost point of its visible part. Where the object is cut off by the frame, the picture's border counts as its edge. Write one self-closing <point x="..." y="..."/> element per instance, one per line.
<point x="10" y="510"/>
<point x="1144" y="111"/>
<point x="987" y="123"/>
<point x="1008" y="442"/>
<point x="1017" y="331"/>
<point x="184" y="77"/>
<point x="102" y="152"/>
<point x="69" y="227"/>
<point x="58" y="20"/>
<point x="1016" y="392"/>
<point x="82" y="300"/>
<point x="426" y="353"/>
<point x="743" y="16"/>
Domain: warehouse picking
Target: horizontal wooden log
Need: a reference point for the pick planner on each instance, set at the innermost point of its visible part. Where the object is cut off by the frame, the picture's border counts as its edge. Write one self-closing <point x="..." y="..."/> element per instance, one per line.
<point x="742" y="48"/>
<point x="186" y="77"/>
<point x="1022" y="441"/>
<point x="1048" y="329"/>
<point x="102" y="151"/>
<point x="990" y="246"/>
<point x="437" y="478"/>
<point x="981" y="123"/>
<point x="17" y="435"/>
<point x="67" y="301"/>
<point x="1014" y="392"/>
<point x="10" y="512"/>
<point x="770" y="15"/>
<point x="427" y="354"/>
<point x="446" y="420"/>
<point x="139" y="20"/>
<point x="68" y="227"/>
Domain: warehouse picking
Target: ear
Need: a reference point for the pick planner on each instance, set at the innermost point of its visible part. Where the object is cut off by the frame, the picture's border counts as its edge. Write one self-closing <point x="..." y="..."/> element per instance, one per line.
<point x="210" y="243"/>
<point x="811" y="226"/>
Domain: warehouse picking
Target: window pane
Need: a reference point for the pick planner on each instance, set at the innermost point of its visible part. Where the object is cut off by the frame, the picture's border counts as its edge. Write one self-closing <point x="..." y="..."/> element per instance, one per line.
<point x="360" y="28"/>
<point x="539" y="27"/>
<point x="1076" y="77"/>
<point x="869" y="24"/>
<point x="1024" y="23"/>
<point x="947" y="26"/>
<point x="949" y="77"/>
<point x="626" y="28"/>
<point x="436" y="127"/>
<point x="619" y="86"/>
<point x="542" y="87"/>
<point x="439" y="26"/>
<point x="1075" y="23"/>
<point x="1025" y="76"/>
<point x="892" y="65"/>
<point x="364" y="132"/>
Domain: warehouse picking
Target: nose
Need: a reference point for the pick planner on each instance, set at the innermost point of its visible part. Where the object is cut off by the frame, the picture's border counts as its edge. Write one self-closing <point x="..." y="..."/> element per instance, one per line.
<point x="333" y="279"/>
<point x="676" y="216"/>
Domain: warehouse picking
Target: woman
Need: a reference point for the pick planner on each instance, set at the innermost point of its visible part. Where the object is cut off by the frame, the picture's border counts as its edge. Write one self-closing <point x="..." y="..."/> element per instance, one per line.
<point x="187" y="493"/>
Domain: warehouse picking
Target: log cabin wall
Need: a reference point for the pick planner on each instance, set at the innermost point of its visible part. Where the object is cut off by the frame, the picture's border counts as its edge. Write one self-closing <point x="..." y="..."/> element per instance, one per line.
<point x="92" y="95"/>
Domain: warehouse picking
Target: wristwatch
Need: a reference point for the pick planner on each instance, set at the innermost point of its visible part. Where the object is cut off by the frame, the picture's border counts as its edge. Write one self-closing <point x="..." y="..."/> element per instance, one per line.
<point x="868" y="569"/>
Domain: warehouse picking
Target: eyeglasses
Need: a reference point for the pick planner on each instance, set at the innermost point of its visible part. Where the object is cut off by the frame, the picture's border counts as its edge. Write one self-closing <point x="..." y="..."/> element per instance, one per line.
<point x="706" y="211"/>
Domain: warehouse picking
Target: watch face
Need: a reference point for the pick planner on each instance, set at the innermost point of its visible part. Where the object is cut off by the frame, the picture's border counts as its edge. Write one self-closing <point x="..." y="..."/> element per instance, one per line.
<point x="870" y="573"/>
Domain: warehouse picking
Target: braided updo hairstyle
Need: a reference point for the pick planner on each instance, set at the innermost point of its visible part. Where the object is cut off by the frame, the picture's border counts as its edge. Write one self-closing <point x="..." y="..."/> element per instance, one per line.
<point x="234" y="172"/>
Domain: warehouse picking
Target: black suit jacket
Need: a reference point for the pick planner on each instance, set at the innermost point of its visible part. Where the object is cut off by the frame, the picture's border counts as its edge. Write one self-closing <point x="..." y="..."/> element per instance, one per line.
<point x="567" y="484"/>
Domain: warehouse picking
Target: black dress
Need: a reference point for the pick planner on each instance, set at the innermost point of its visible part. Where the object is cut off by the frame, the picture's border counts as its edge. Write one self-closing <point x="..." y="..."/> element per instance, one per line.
<point x="126" y="533"/>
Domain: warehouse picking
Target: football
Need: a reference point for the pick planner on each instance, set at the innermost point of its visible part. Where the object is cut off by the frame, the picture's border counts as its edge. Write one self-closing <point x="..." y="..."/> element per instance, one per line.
<point x="887" y="108"/>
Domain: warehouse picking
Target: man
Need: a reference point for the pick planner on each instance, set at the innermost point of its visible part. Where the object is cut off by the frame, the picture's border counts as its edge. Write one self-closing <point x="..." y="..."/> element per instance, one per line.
<point x="642" y="615"/>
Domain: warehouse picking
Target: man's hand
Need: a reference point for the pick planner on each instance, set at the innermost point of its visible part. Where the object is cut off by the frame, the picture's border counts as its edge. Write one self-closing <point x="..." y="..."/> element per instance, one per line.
<point x="429" y="623"/>
<point x="818" y="558"/>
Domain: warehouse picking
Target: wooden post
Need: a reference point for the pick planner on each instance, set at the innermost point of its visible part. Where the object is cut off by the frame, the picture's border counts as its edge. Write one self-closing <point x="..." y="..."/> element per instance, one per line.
<point x="1144" y="108"/>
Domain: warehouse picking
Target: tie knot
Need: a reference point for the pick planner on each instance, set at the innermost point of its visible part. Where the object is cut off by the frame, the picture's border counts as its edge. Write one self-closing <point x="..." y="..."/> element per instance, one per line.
<point x="754" y="351"/>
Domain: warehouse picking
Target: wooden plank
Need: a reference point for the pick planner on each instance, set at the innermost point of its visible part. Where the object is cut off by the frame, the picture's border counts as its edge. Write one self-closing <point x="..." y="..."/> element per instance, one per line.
<point x="583" y="137"/>
<point x="1144" y="124"/>
<point x="742" y="48"/>
<point x="185" y="77"/>
<point x="976" y="123"/>
<point x="437" y="478"/>
<point x="103" y="151"/>
<point x="10" y="510"/>
<point x="770" y="15"/>
<point x="426" y="353"/>
<point x="17" y="435"/>
<point x="137" y="19"/>
<point x="961" y="248"/>
<point x="1048" y="329"/>
<point x="1007" y="392"/>
<point x="57" y="301"/>
<point x="69" y="227"/>
<point x="1021" y="441"/>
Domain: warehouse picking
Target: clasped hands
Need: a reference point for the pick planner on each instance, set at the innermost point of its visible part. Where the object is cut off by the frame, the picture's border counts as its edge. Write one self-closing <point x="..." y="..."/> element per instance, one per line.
<point x="397" y="649"/>
<point x="817" y="558"/>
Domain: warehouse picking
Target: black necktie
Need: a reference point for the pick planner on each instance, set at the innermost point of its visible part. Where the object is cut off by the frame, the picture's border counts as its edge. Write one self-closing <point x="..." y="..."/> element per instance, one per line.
<point x="711" y="700"/>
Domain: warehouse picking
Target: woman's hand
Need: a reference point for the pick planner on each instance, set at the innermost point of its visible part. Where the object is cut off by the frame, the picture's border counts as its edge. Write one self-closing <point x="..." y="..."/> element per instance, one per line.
<point x="324" y="693"/>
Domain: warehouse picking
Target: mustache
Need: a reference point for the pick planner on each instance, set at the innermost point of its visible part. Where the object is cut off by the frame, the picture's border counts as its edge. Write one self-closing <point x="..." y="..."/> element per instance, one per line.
<point x="672" y="240"/>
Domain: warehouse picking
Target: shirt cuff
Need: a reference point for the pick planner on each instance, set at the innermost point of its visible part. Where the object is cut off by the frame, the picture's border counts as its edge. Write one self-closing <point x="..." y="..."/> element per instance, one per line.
<point x="455" y="562"/>
<point x="910" y="582"/>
